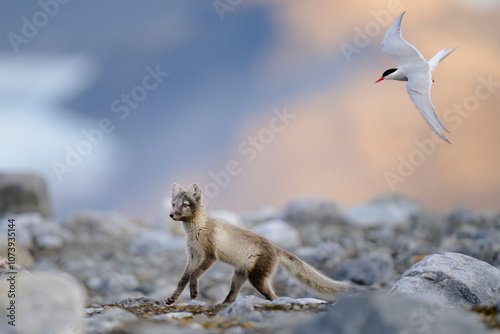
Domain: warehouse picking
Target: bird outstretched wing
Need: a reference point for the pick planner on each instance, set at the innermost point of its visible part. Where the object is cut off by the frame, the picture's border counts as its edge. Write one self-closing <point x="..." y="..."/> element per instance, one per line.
<point x="419" y="89"/>
<point x="397" y="47"/>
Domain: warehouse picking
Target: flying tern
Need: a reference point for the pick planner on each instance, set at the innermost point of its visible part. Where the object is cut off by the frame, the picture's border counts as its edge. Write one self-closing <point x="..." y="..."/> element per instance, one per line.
<point x="413" y="67"/>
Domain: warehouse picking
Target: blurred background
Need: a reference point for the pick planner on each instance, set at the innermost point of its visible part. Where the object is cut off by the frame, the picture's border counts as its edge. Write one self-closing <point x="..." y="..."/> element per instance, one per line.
<point x="114" y="101"/>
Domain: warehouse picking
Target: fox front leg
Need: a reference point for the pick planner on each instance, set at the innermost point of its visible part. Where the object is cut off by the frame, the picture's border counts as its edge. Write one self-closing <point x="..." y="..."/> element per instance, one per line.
<point x="195" y="275"/>
<point x="191" y="265"/>
<point x="180" y="287"/>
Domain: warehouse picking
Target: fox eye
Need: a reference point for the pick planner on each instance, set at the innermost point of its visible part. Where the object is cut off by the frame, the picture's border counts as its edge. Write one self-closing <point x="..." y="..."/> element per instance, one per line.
<point x="173" y="205"/>
<point x="185" y="205"/>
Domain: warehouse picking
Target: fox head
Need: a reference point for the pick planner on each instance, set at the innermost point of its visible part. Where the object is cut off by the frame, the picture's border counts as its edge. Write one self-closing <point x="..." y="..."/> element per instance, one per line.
<point x="185" y="203"/>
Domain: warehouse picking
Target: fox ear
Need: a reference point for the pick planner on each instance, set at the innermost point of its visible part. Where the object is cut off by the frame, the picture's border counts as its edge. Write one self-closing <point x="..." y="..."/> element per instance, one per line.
<point x="194" y="191"/>
<point x="176" y="190"/>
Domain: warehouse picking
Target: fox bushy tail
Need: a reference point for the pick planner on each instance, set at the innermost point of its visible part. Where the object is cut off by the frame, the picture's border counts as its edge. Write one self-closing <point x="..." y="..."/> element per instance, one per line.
<point x="310" y="276"/>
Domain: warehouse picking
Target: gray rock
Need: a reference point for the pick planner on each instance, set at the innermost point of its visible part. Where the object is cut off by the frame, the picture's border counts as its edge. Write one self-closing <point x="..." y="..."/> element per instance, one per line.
<point x="326" y="256"/>
<point x="151" y="242"/>
<point x="6" y="268"/>
<point x="389" y="314"/>
<point x="244" y="308"/>
<point x="196" y="302"/>
<point x="331" y="252"/>
<point x="139" y="301"/>
<point x="227" y="217"/>
<point x="481" y="219"/>
<point x="20" y="193"/>
<point x="312" y="210"/>
<point x="280" y="233"/>
<point x="367" y="270"/>
<point x="173" y="316"/>
<point x="298" y="301"/>
<point x="24" y="224"/>
<point x="50" y="235"/>
<point x="114" y="283"/>
<point x="389" y="210"/>
<point x="475" y="234"/>
<point x="263" y="214"/>
<point x="45" y="303"/>
<point x="34" y="233"/>
<point x="91" y="227"/>
<point x="115" y="320"/>
<point x="453" y="277"/>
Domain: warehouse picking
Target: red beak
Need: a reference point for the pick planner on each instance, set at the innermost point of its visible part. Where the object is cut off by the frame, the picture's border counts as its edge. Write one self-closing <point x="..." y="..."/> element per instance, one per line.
<point x="379" y="80"/>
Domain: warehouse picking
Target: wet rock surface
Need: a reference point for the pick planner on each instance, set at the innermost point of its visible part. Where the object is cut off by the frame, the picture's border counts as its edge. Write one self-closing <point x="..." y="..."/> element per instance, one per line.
<point x="125" y="268"/>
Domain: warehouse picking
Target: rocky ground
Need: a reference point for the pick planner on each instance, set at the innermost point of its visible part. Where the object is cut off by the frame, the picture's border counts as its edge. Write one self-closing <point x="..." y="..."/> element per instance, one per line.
<point x="412" y="271"/>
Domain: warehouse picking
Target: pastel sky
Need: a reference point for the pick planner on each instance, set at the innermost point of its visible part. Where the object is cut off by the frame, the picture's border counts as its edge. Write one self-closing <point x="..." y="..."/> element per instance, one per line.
<point x="232" y="71"/>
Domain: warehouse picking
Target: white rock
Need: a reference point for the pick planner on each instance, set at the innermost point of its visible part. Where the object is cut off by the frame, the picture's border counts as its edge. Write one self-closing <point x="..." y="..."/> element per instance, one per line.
<point x="173" y="316"/>
<point x="279" y="232"/>
<point x="100" y="227"/>
<point x="45" y="303"/>
<point x="312" y="210"/>
<point x="113" y="320"/>
<point x="227" y="217"/>
<point x="300" y="301"/>
<point x="263" y="214"/>
<point x="149" y="242"/>
<point x="383" y="211"/>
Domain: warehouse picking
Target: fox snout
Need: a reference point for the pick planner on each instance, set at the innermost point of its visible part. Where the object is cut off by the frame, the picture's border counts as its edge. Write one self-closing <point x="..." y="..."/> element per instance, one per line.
<point x="175" y="215"/>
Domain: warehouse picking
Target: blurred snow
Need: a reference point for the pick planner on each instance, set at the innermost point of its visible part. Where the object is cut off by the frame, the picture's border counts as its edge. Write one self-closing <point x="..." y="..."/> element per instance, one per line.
<point x="37" y="126"/>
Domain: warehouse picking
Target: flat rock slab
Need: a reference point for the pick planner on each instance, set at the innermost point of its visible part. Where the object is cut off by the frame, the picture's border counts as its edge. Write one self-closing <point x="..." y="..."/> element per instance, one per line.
<point x="391" y="314"/>
<point x="456" y="278"/>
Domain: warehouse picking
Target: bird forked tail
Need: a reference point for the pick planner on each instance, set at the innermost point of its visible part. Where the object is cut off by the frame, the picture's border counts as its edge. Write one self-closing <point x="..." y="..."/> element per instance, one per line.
<point x="433" y="63"/>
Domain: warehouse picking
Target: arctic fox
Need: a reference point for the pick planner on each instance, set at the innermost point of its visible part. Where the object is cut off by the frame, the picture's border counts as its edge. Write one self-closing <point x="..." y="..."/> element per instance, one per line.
<point x="254" y="257"/>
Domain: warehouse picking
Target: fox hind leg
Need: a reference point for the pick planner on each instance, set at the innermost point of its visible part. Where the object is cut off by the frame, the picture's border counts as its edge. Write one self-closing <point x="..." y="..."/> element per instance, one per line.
<point x="239" y="278"/>
<point x="263" y="285"/>
<point x="261" y="274"/>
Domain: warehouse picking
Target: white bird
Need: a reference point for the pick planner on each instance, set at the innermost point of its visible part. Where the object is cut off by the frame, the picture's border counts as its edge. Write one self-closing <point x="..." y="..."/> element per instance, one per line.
<point x="413" y="67"/>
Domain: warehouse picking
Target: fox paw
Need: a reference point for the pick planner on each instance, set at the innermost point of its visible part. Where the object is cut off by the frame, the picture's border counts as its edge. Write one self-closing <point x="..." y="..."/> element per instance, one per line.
<point x="170" y="300"/>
